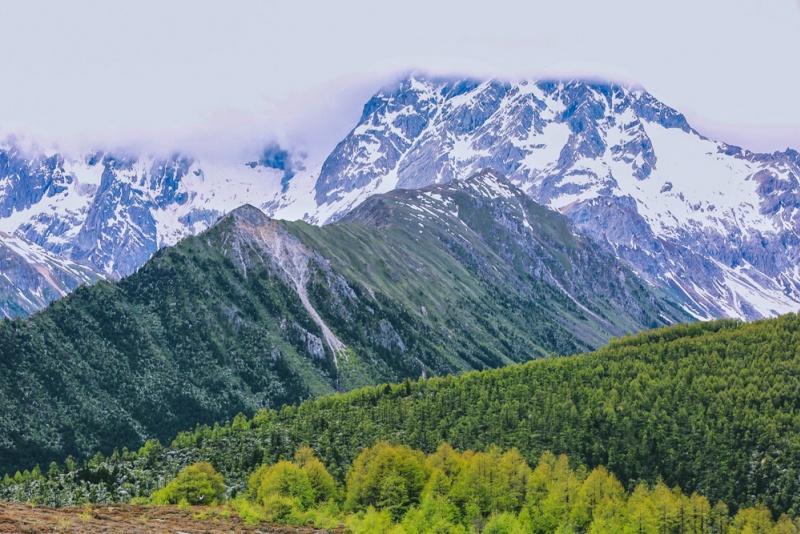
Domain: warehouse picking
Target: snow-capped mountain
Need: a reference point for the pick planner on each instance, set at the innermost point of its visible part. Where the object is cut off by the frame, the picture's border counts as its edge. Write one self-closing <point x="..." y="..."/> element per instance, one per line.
<point x="715" y="224"/>
<point x="103" y="215"/>
<point x="30" y="277"/>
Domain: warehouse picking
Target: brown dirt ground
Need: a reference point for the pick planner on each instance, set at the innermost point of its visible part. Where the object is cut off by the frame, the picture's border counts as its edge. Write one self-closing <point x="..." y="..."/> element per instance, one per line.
<point x="24" y="518"/>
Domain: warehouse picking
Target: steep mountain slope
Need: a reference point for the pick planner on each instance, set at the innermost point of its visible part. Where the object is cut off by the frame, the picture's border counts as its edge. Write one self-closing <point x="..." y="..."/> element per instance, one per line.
<point x="711" y="223"/>
<point x="256" y="312"/>
<point x="30" y="277"/>
<point x="711" y="407"/>
<point x="715" y="223"/>
<point x="522" y="249"/>
<point x="111" y="212"/>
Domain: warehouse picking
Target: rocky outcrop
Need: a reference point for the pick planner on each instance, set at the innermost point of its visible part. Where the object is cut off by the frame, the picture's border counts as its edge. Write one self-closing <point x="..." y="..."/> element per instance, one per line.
<point x="32" y="278"/>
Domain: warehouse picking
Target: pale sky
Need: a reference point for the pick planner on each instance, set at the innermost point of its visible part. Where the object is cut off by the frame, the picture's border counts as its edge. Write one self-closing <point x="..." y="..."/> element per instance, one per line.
<point x="217" y="77"/>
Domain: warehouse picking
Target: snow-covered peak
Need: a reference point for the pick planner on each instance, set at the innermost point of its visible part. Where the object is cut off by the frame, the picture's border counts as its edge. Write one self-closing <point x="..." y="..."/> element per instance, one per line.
<point x="31" y="277"/>
<point x="688" y="213"/>
<point x="711" y="223"/>
<point x="434" y="130"/>
<point x="490" y="184"/>
<point x="112" y="211"/>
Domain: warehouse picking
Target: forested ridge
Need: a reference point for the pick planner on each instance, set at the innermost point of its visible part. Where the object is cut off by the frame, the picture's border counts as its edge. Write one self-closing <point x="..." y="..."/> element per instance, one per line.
<point x="710" y="407"/>
<point x="259" y="313"/>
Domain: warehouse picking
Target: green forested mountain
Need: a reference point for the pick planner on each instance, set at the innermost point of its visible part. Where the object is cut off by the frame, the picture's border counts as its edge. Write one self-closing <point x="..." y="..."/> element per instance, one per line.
<point x="712" y="407"/>
<point x="257" y="313"/>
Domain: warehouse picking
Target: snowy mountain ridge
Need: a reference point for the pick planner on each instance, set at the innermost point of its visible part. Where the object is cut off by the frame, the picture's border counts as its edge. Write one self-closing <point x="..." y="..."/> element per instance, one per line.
<point x="30" y="277"/>
<point x="144" y="202"/>
<point x="712" y="224"/>
<point x="105" y="214"/>
<point x="715" y="224"/>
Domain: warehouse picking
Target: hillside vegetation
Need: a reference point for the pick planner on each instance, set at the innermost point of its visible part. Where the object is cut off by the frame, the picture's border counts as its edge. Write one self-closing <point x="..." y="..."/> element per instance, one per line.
<point x="256" y="313"/>
<point x="399" y="490"/>
<point x="710" y="407"/>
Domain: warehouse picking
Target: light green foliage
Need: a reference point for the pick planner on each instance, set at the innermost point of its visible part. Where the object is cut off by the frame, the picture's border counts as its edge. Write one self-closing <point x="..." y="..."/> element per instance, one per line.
<point x="503" y="523"/>
<point x="492" y="482"/>
<point x="248" y="511"/>
<point x="699" y="510"/>
<point x="506" y="497"/>
<point x="492" y="492"/>
<point x="197" y="484"/>
<point x="551" y="488"/>
<point x="280" y="509"/>
<point x="757" y="520"/>
<point x="641" y="511"/>
<point x="556" y="497"/>
<point x="600" y="493"/>
<point x="150" y="448"/>
<point x="787" y="526"/>
<point x="286" y="480"/>
<point x="323" y="487"/>
<point x="326" y="515"/>
<point x="434" y="514"/>
<point x="370" y="522"/>
<point x="301" y="484"/>
<point x="447" y="461"/>
<point x="388" y="477"/>
<point x="254" y="481"/>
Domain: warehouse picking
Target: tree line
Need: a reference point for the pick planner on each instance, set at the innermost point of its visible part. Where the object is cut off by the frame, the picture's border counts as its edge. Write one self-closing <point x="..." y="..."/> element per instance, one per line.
<point x="399" y="490"/>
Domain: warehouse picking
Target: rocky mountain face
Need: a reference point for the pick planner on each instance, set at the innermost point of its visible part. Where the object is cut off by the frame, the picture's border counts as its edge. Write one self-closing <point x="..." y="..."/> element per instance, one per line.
<point x="713" y="224"/>
<point x="31" y="278"/>
<point x="256" y="313"/>
<point x="106" y="214"/>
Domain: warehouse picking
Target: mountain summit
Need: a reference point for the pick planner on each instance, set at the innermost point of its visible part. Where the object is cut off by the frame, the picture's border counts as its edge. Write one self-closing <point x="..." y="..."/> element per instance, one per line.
<point x="711" y="223"/>
<point x="104" y="214"/>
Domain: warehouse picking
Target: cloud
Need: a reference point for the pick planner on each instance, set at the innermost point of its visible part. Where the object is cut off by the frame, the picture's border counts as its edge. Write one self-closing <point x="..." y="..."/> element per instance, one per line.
<point x="220" y="78"/>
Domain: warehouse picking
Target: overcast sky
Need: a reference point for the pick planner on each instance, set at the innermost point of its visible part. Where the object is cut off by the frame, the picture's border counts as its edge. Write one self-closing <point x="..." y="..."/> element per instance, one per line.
<point x="218" y="76"/>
